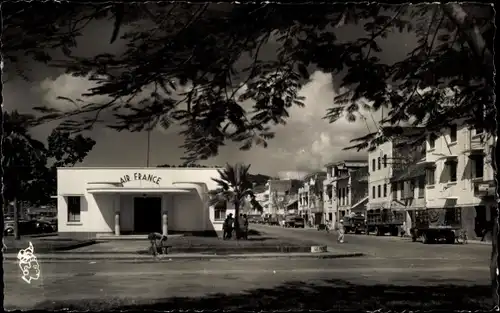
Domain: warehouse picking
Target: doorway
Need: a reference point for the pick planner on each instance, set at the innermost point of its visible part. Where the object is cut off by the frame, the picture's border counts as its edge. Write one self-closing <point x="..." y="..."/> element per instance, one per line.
<point x="147" y="215"/>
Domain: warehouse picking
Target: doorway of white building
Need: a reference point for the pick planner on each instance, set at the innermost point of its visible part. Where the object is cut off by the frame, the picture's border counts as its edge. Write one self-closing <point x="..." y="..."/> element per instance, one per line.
<point x="147" y="215"/>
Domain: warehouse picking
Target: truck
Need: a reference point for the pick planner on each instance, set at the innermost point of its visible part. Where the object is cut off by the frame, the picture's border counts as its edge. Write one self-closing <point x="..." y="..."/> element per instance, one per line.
<point x="355" y="223"/>
<point x="432" y="225"/>
<point x="382" y="221"/>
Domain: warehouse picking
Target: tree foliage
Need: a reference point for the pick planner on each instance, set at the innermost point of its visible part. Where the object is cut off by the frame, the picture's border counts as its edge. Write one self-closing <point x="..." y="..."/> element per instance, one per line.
<point x="66" y="150"/>
<point x="23" y="160"/>
<point x="29" y="167"/>
<point x="201" y="45"/>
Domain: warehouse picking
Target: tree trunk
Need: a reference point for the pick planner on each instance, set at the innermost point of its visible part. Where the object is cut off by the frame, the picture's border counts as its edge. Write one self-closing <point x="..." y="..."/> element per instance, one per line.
<point x="2" y="285"/>
<point x="494" y="261"/>
<point x="237" y="218"/>
<point x="471" y="33"/>
<point x="17" y="235"/>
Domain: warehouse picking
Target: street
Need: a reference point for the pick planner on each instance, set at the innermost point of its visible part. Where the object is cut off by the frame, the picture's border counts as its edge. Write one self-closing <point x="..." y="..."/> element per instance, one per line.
<point x="384" y="246"/>
<point x="394" y="273"/>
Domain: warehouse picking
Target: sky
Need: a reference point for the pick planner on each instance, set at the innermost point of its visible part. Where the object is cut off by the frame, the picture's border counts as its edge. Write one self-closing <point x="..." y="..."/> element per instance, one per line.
<point x="306" y="143"/>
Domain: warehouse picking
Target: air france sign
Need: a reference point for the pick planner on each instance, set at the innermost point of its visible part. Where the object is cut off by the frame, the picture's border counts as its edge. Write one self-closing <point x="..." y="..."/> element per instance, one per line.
<point x="140" y="176"/>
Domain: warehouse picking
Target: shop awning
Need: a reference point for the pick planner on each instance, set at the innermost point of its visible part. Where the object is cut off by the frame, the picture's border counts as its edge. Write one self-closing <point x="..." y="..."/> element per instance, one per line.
<point x="426" y="163"/>
<point x="450" y="198"/>
<point x="365" y="199"/>
<point x="447" y="158"/>
<point x="474" y="151"/>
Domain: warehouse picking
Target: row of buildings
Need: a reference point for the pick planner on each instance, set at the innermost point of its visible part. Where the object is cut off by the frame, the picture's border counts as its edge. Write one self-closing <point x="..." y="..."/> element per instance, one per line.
<point x="451" y="170"/>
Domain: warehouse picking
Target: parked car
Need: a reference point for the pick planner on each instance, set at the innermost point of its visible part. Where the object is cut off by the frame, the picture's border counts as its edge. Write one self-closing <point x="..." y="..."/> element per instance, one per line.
<point x="28" y="227"/>
<point x="355" y="224"/>
<point x="325" y="226"/>
<point x="294" y="221"/>
<point x="289" y="221"/>
<point x="273" y="221"/>
<point x="299" y="222"/>
<point x="8" y="228"/>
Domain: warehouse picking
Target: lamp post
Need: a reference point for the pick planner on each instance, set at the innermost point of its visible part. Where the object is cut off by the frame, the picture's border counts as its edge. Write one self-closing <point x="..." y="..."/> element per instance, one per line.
<point x="148" y="144"/>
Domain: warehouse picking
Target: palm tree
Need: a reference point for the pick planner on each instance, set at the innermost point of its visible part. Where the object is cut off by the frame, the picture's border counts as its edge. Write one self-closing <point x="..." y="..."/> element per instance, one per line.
<point x="235" y="187"/>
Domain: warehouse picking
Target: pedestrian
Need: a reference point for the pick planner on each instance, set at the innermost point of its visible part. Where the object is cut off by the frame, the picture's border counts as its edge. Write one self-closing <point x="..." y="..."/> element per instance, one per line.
<point x="157" y="241"/>
<point x="228" y="226"/>
<point x="241" y="227"/>
<point x="341" y="232"/>
<point x="245" y="226"/>
<point x="403" y="229"/>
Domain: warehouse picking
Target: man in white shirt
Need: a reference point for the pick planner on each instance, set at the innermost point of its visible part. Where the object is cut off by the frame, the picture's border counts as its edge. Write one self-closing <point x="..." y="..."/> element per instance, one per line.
<point x="341" y="232"/>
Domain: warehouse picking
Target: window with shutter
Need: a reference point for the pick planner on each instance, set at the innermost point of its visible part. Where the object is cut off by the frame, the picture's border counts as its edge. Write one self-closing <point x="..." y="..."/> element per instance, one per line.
<point x="479" y="166"/>
<point x="453" y="133"/>
<point x="394" y="191"/>
<point x="74" y="208"/>
<point x="421" y="187"/>
<point x="408" y="186"/>
<point x="452" y="170"/>
<point x="430" y="176"/>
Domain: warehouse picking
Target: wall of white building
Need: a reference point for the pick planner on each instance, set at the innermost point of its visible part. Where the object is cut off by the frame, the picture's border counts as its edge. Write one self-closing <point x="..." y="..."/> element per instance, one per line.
<point x="380" y="173"/>
<point x="186" y="212"/>
<point x="463" y="191"/>
<point x="330" y="196"/>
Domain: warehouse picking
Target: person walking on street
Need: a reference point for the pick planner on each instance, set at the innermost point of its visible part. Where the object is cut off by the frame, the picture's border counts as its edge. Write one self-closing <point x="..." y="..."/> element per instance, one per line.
<point x="228" y="226"/>
<point x="245" y="227"/>
<point x="341" y="232"/>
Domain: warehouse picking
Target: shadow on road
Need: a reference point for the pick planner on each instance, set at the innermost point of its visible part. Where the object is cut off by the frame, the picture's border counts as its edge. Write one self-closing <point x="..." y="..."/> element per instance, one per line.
<point x="324" y="295"/>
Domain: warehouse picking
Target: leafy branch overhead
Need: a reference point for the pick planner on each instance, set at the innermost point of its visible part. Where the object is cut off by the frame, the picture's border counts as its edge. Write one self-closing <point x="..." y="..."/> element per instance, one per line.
<point x="201" y="65"/>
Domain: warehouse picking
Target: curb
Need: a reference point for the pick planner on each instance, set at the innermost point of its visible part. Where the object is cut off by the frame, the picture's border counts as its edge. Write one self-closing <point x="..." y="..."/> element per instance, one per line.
<point x="173" y="257"/>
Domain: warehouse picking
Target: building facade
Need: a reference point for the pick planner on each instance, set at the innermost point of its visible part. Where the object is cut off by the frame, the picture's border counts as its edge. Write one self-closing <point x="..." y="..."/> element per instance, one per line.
<point x="459" y="174"/>
<point x="397" y="181"/>
<point x="263" y="199"/>
<point x="346" y="189"/>
<point x="281" y="193"/>
<point x="311" y="198"/>
<point x="93" y="201"/>
<point x="380" y="173"/>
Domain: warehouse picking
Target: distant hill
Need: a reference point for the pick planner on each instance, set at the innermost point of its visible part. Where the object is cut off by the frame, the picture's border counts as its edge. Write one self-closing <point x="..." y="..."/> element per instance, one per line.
<point x="258" y="179"/>
<point x="191" y="165"/>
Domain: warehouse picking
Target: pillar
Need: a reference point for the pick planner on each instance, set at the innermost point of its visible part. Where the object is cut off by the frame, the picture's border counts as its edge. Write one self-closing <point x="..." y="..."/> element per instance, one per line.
<point x="164" y="224"/>
<point x="117" y="223"/>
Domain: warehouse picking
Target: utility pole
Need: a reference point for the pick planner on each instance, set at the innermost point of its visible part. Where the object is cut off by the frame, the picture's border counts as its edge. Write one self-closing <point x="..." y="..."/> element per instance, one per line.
<point x="148" y="143"/>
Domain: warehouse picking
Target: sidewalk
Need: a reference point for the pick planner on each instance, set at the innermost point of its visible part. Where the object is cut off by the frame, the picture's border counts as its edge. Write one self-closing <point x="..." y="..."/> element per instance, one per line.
<point x="67" y="256"/>
<point x="475" y="242"/>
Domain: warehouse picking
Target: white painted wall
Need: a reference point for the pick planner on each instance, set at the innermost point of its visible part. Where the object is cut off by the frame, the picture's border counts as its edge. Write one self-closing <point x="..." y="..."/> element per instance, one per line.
<point x="463" y="188"/>
<point x="380" y="176"/>
<point x="186" y="212"/>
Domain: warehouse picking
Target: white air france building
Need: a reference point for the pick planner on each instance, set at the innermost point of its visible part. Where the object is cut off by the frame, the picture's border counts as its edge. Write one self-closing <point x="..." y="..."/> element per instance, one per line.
<point x="92" y="201"/>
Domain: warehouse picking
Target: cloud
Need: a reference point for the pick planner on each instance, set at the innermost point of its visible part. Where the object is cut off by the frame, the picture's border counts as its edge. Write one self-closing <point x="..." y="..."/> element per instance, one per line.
<point x="311" y="141"/>
<point x="305" y="143"/>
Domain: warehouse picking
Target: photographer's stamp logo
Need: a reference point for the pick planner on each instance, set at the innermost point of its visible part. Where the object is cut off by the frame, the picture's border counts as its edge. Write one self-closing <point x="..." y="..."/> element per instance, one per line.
<point x="28" y="264"/>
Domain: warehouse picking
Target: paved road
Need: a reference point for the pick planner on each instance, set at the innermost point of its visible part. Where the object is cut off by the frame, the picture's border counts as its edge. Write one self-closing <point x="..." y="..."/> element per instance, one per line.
<point x="406" y="270"/>
<point x="145" y="282"/>
<point x="384" y="246"/>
